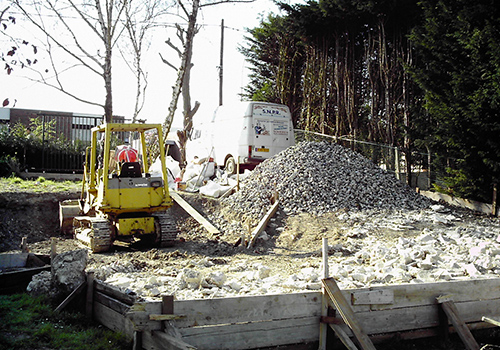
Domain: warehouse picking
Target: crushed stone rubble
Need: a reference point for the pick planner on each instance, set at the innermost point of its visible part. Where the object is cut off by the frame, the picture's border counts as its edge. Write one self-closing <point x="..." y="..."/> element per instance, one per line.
<point x="320" y="177"/>
<point x="391" y="234"/>
<point x="444" y="246"/>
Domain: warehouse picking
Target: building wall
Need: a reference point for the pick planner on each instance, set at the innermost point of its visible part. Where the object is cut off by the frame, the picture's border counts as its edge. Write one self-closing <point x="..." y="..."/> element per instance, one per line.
<point x="72" y="126"/>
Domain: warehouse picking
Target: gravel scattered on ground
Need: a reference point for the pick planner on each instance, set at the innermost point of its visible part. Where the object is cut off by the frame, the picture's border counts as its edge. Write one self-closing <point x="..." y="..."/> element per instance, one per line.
<point x="379" y="232"/>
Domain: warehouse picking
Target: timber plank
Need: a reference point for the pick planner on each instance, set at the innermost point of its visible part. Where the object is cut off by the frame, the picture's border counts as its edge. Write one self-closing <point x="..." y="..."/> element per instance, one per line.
<point x="420" y="317"/>
<point x="113" y="304"/>
<point x="408" y="295"/>
<point x="113" y="320"/>
<point x="158" y="340"/>
<point x="491" y="321"/>
<point x="139" y="315"/>
<point x="191" y="211"/>
<point x="454" y="317"/>
<point x="114" y="292"/>
<point x="260" y="321"/>
<point x="247" y="308"/>
<point x="71" y="296"/>
<point x="346" y="340"/>
<point x="347" y="313"/>
<point x="251" y="335"/>
<point x="263" y="223"/>
<point x="13" y="260"/>
<point x="17" y="281"/>
<point x="372" y="297"/>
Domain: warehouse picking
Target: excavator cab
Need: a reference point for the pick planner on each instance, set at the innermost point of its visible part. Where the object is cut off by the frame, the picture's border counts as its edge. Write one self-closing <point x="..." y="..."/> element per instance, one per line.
<point x="120" y="199"/>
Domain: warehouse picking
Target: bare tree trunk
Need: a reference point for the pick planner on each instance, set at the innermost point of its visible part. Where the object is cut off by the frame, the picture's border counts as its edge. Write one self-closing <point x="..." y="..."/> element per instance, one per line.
<point x="338" y="132"/>
<point x="406" y="114"/>
<point x="108" y="104"/>
<point x="102" y="23"/>
<point x="189" y="113"/>
<point x="185" y="64"/>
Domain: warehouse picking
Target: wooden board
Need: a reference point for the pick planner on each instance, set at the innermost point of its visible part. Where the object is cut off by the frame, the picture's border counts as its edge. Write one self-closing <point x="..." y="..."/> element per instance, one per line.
<point x="17" y="281"/>
<point x="424" y="316"/>
<point x="113" y="304"/>
<point x="459" y="202"/>
<point x="114" y="293"/>
<point x="263" y="223"/>
<point x="454" y="317"/>
<point x="372" y="297"/>
<point x="113" y="320"/>
<point x="253" y="335"/>
<point x="248" y="309"/>
<point x="139" y="315"/>
<point x="71" y="296"/>
<point x="160" y="340"/>
<point x="347" y="313"/>
<point x="343" y="336"/>
<point x="415" y="294"/>
<point x="491" y="320"/>
<point x="13" y="260"/>
<point x="294" y="318"/>
<point x="191" y="211"/>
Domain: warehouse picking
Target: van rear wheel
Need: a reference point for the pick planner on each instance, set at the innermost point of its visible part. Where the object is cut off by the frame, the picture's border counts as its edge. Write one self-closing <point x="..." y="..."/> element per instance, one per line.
<point x="230" y="166"/>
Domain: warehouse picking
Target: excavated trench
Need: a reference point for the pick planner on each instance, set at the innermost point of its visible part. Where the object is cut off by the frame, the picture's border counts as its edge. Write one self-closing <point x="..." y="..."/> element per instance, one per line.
<point x="379" y="232"/>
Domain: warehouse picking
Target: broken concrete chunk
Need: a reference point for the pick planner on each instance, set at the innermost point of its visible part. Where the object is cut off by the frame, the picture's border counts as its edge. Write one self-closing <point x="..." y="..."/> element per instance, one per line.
<point x="40" y="284"/>
<point x="68" y="269"/>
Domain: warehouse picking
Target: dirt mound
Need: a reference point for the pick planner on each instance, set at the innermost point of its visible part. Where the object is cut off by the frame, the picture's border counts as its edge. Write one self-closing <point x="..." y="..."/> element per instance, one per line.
<point x="31" y="215"/>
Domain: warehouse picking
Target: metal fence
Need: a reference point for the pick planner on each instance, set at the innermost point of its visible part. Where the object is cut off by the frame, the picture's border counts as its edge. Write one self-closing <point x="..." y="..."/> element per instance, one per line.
<point x="56" y="142"/>
<point x="389" y="158"/>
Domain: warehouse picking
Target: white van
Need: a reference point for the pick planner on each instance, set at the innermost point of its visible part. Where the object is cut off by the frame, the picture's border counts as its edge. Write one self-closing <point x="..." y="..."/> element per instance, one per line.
<point x="247" y="132"/>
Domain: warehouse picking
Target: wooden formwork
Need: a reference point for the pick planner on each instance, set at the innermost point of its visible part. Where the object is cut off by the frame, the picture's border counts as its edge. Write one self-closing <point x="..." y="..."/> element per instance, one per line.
<point x="249" y="322"/>
<point x="17" y="270"/>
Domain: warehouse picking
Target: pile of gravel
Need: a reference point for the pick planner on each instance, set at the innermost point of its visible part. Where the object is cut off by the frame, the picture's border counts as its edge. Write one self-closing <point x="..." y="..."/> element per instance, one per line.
<point x="320" y="177"/>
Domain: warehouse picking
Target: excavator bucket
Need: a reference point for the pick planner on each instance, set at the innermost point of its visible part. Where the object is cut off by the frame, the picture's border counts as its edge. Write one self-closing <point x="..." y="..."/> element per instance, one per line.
<point x="68" y="209"/>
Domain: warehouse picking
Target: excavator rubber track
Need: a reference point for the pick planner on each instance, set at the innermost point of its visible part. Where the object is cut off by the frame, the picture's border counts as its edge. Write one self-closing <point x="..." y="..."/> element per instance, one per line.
<point x="93" y="232"/>
<point x="168" y="229"/>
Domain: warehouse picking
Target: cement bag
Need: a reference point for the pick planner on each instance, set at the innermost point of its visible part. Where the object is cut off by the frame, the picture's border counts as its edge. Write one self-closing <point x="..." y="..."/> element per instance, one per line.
<point x="208" y="170"/>
<point x="173" y="167"/>
<point x="212" y="189"/>
<point x="192" y="171"/>
<point x="155" y="168"/>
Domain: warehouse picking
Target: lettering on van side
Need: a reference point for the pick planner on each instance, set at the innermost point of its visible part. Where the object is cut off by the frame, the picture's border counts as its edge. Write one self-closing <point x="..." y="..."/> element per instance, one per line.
<point x="280" y="127"/>
<point x="270" y="111"/>
<point x="276" y="111"/>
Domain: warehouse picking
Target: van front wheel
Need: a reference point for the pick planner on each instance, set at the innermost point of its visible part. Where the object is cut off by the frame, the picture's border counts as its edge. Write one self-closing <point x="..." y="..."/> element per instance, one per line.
<point x="230" y="166"/>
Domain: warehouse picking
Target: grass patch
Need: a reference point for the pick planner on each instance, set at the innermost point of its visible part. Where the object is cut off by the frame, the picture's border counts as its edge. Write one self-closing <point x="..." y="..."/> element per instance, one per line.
<point x="14" y="183"/>
<point x="30" y="323"/>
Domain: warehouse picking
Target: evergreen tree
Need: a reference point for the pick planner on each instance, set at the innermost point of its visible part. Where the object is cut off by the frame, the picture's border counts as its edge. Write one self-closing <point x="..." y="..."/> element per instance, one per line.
<point x="458" y="43"/>
<point x="275" y="54"/>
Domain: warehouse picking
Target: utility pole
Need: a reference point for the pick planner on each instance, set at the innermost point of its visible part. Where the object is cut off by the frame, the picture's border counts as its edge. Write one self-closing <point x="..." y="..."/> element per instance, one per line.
<point x="221" y="75"/>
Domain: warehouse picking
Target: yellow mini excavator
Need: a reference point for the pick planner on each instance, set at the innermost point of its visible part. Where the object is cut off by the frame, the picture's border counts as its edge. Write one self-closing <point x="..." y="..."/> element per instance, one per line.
<point x="120" y="198"/>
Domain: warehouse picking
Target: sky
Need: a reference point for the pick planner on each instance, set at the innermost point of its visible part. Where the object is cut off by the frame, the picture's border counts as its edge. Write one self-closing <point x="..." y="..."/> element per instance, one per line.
<point x="161" y="78"/>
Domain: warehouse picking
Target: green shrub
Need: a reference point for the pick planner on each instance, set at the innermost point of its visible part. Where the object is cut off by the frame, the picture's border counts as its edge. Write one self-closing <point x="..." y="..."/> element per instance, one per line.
<point x="9" y="165"/>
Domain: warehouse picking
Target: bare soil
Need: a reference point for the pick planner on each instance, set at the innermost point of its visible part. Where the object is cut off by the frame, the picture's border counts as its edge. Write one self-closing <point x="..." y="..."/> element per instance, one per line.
<point x="293" y="242"/>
